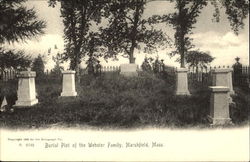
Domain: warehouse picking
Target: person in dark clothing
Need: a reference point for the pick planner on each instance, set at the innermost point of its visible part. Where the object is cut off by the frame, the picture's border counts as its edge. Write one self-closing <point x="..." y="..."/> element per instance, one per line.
<point x="90" y="66"/>
<point x="146" y="66"/>
<point x="237" y="68"/>
<point x="98" y="69"/>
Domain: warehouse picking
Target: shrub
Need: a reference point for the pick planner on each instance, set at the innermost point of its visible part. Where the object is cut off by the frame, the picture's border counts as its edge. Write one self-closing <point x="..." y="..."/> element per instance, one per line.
<point x="38" y="67"/>
<point x="8" y="90"/>
<point x="239" y="112"/>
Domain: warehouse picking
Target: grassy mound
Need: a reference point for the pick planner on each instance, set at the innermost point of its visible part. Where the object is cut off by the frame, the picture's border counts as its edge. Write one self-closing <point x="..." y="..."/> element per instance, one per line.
<point x="118" y="102"/>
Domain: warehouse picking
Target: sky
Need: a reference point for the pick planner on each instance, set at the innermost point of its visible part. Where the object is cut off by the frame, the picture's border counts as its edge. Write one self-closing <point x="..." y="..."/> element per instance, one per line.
<point x="216" y="38"/>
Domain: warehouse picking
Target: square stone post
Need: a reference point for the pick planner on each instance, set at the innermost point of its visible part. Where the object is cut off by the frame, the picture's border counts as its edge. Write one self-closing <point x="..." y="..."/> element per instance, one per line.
<point x="26" y="93"/>
<point x="219" y="105"/>
<point x="68" y="87"/>
<point x="129" y="70"/>
<point x="223" y="77"/>
<point x="182" y="82"/>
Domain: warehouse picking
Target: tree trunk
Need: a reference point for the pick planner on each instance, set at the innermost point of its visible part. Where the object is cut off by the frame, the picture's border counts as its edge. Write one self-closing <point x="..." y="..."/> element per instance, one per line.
<point x="77" y="67"/>
<point x="131" y="53"/>
<point x="182" y="49"/>
<point x="182" y="59"/>
<point x="134" y="33"/>
<point x="181" y="34"/>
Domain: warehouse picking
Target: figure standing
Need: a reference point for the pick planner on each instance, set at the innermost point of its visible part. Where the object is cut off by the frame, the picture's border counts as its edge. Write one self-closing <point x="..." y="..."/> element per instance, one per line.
<point x="146" y="66"/>
<point x="237" y="68"/>
<point x="90" y="66"/>
<point x="98" y="69"/>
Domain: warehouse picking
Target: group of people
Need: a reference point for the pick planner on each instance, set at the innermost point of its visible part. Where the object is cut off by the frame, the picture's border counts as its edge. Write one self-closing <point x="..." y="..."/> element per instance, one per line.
<point x="157" y="66"/>
<point x="94" y="67"/>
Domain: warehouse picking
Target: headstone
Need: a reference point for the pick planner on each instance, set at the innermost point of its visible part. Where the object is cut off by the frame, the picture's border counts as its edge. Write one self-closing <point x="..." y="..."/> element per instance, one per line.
<point x="223" y="77"/>
<point x="219" y="105"/>
<point x="26" y="93"/>
<point x="3" y="105"/>
<point x="182" y="82"/>
<point x="68" y="87"/>
<point x="129" y="70"/>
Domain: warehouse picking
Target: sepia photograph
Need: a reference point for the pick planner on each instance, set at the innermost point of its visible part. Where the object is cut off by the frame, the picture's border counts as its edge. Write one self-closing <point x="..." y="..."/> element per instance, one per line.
<point x="124" y="80"/>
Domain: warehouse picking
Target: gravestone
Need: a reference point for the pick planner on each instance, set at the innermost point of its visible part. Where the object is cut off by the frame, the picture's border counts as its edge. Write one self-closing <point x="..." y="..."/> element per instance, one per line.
<point x="68" y="86"/>
<point x="26" y="93"/>
<point x="182" y="82"/>
<point x="223" y="77"/>
<point x="219" y="105"/>
<point x="129" y="70"/>
<point x="3" y="105"/>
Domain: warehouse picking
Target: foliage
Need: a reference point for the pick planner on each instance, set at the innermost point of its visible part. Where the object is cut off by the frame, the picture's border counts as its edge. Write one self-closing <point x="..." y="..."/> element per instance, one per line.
<point x="8" y="90"/>
<point x="12" y="59"/>
<point x="127" y="30"/>
<point x="78" y="17"/>
<point x="183" y="20"/>
<point x="57" y="70"/>
<point x="38" y="66"/>
<point x="187" y="12"/>
<point x="198" y="59"/>
<point x="17" y="22"/>
<point x="94" y="52"/>
<point x="236" y="10"/>
<point x="239" y="112"/>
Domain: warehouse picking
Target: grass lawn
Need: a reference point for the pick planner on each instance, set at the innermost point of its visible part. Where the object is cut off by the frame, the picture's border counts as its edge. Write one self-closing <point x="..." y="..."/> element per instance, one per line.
<point x="118" y="102"/>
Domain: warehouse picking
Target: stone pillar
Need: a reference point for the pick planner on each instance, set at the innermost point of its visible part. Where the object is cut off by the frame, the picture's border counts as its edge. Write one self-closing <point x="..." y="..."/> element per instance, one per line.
<point x="68" y="87"/>
<point x="26" y="93"/>
<point x="219" y="105"/>
<point x="128" y="70"/>
<point x="182" y="82"/>
<point x="223" y="77"/>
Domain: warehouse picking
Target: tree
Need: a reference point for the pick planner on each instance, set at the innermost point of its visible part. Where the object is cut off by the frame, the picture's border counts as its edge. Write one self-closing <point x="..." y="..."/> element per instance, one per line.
<point x="78" y="17"/>
<point x="187" y="12"/>
<point x="57" y="70"/>
<point x="12" y="59"/>
<point x="17" y="22"/>
<point x="198" y="59"/>
<point x="236" y="11"/>
<point x="94" y="49"/>
<point x="183" y="23"/>
<point x="38" y="66"/>
<point x="128" y="30"/>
